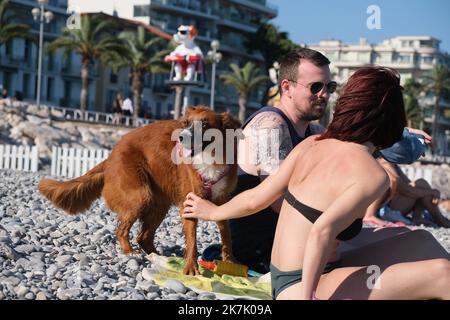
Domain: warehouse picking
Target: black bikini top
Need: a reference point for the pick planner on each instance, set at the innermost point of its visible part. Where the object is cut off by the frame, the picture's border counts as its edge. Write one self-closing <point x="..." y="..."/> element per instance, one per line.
<point x="313" y="214"/>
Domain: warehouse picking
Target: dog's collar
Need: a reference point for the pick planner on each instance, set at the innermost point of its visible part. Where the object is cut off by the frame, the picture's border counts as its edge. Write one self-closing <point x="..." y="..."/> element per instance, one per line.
<point x="208" y="183"/>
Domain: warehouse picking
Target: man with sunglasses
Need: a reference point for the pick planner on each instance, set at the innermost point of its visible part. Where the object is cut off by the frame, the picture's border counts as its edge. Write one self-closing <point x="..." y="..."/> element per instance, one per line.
<point x="305" y="87"/>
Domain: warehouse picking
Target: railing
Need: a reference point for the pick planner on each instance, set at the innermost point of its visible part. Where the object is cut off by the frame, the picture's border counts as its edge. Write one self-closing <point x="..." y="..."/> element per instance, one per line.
<point x="60" y="113"/>
<point x="71" y="162"/>
<point x="71" y="114"/>
<point x="415" y="173"/>
<point x="21" y="158"/>
<point x="436" y="159"/>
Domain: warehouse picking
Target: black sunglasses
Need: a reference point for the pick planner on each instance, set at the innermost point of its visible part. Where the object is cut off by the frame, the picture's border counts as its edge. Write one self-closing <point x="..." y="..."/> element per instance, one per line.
<point x="182" y="32"/>
<point x="316" y="87"/>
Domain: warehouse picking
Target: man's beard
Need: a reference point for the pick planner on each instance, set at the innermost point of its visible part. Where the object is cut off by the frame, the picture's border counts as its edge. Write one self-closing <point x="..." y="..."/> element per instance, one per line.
<point x="314" y="113"/>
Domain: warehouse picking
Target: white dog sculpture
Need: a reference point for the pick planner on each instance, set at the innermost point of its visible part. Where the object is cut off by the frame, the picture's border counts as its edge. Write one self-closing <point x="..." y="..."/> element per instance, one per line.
<point x="187" y="55"/>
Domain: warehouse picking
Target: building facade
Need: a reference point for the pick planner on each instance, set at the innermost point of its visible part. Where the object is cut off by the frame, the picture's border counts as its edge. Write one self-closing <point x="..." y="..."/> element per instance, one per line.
<point x="229" y="21"/>
<point x="411" y="56"/>
<point x="61" y="78"/>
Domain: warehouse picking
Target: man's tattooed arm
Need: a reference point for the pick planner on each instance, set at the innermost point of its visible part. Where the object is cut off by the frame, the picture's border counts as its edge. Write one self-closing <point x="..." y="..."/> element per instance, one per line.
<point x="270" y="142"/>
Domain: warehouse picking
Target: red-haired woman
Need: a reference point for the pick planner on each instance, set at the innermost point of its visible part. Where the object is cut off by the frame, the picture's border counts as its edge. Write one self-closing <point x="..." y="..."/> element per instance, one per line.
<point x="328" y="182"/>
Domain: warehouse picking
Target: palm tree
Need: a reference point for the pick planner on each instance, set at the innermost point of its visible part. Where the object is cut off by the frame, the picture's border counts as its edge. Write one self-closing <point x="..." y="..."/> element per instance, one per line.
<point x="437" y="82"/>
<point x="91" y="42"/>
<point x="10" y="30"/>
<point x="272" y="44"/>
<point x="411" y="92"/>
<point x="139" y="52"/>
<point x="244" y="80"/>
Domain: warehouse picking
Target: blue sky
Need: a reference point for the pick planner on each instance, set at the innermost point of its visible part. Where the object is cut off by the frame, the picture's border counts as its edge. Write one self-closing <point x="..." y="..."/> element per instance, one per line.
<point x="313" y="20"/>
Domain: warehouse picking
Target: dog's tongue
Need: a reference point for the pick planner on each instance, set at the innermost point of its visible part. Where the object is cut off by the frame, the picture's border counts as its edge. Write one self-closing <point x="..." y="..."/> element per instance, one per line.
<point x="183" y="151"/>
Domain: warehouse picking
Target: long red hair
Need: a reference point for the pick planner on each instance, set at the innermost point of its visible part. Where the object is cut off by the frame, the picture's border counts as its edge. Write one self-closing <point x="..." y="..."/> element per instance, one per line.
<point x="370" y="108"/>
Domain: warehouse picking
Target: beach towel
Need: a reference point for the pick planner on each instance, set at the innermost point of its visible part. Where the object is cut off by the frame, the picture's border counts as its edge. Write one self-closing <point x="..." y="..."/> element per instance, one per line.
<point x="224" y="287"/>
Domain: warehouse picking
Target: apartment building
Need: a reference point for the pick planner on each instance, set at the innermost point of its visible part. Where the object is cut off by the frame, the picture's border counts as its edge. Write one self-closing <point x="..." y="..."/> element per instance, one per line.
<point x="411" y="56"/>
<point x="61" y="79"/>
<point x="229" y="21"/>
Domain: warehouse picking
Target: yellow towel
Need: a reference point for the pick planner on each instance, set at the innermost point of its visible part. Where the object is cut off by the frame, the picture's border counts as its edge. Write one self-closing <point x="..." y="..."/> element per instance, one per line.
<point x="224" y="287"/>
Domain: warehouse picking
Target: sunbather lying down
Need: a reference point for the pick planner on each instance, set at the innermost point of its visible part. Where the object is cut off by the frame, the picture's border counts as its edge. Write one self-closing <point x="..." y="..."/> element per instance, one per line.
<point x="404" y="197"/>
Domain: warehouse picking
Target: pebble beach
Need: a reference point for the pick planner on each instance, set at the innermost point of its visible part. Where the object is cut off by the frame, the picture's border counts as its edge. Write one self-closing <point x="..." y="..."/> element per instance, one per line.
<point x="46" y="254"/>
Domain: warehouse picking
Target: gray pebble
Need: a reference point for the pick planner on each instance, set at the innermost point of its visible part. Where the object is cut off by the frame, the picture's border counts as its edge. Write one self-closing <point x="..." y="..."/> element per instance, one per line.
<point x="206" y="296"/>
<point x="191" y="294"/>
<point x="25" y="248"/>
<point x="132" y="264"/>
<point x="176" y="286"/>
<point x="13" y="281"/>
<point x="41" y="296"/>
<point x="152" y="295"/>
<point x="63" y="260"/>
<point x="174" y="296"/>
<point x="97" y="269"/>
<point x="148" y="273"/>
<point x="21" y="291"/>
<point x="52" y="270"/>
<point x="30" y="296"/>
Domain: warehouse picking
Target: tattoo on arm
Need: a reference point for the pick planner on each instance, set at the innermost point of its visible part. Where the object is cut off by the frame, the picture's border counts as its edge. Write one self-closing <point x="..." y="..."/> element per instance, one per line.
<point x="270" y="142"/>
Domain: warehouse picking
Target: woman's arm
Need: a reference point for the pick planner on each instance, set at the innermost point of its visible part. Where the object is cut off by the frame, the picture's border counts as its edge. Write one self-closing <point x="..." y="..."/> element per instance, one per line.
<point x="393" y="176"/>
<point x="349" y="206"/>
<point x="247" y="202"/>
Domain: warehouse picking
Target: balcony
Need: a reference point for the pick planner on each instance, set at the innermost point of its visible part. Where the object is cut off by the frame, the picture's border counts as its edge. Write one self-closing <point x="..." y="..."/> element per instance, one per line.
<point x="235" y="23"/>
<point x="10" y="62"/>
<point x="53" y="67"/>
<point x="15" y="63"/>
<point x="269" y="9"/>
<point x="186" y="7"/>
<point x="239" y="50"/>
<point x="69" y="103"/>
<point x="204" y="34"/>
<point x="69" y="71"/>
<point x="55" y="6"/>
<point x="162" y="90"/>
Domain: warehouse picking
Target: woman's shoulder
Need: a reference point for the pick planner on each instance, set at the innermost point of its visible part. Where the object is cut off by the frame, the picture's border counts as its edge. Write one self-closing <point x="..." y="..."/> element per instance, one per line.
<point x="355" y="160"/>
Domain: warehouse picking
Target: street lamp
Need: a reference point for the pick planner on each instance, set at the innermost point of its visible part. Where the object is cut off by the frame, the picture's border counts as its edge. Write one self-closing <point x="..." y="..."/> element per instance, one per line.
<point x="215" y="57"/>
<point x="40" y="13"/>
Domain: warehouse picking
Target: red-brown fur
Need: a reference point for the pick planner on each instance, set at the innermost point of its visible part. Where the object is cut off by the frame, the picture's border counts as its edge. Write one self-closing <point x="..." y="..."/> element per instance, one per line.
<point x="139" y="181"/>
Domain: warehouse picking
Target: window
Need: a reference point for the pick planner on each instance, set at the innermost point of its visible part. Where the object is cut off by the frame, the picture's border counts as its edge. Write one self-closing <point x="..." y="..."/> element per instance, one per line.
<point x="67" y="89"/>
<point x="427" y="60"/>
<point x="26" y="85"/>
<point x="113" y="77"/>
<point x="158" y="110"/>
<point x="426" y="44"/>
<point x="50" y="89"/>
<point x="141" y="11"/>
<point x="384" y="57"/>
<point x="404" y="59"/>
<point x="364" y="57"/>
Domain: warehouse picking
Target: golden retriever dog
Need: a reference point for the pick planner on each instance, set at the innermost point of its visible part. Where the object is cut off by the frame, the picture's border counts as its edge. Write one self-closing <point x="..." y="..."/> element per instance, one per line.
<point x="140" y="181"/>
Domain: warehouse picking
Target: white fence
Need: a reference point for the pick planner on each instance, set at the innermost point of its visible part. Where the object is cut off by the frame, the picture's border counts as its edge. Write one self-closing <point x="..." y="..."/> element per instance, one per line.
<point x="60" y="113"/>
<point x="21" y="158"/>
<point x="414" y="173"/>
<point x="71" y="162"/>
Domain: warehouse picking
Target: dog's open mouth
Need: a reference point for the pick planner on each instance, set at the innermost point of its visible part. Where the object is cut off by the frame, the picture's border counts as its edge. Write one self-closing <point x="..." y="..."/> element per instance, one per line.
<point x="185" y="141"/>
<point x="188" y="144"/>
